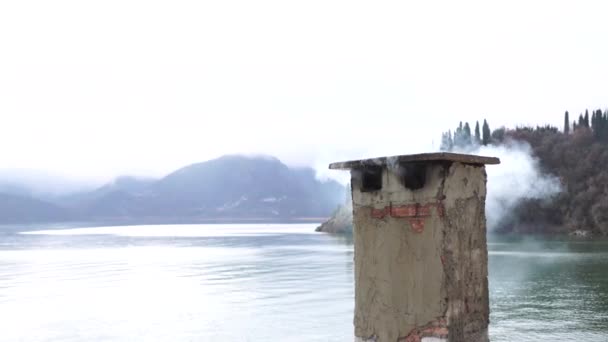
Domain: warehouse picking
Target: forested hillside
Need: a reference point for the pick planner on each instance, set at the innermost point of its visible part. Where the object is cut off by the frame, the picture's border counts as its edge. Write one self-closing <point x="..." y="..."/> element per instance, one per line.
<point x="577" y="154"/>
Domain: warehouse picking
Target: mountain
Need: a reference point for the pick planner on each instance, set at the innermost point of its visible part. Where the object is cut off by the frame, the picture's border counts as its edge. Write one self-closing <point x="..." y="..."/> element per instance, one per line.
<point x="126" y="186"/>
<point x="237" y="185"/>
<point x="229" y="187"/>
<point x="22" y="209"/>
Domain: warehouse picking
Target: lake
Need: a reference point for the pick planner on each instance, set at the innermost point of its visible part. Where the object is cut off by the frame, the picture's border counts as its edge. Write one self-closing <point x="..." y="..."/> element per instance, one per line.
<point x="262" y="282"/>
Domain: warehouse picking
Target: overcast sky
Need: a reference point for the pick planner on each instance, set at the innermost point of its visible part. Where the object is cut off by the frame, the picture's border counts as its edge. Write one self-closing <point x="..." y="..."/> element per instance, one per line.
<point x="100" y="88"/>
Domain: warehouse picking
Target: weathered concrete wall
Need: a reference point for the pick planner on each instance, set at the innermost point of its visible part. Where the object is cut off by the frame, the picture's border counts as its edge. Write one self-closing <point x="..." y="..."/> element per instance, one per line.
<point x="421" y="257"/>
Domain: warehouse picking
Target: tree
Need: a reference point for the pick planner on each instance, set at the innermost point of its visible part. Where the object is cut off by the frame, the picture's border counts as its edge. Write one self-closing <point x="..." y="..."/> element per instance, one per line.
<point x="450" y="140"/>
<point x="566" y="123"/>
<point x="485" y="139"/>
<point x="498" y="135"/>
<point x="467" y="134"/>
<point x="604" y="125"/>
<point x="446" y="141"/>
<point x="586" y="119"/>
<point x="462" y="136"/>
<point x="594" y="123"/>
<point x="599" y="122"/>
<point x="477" y="134"/>
<point x="581" y="121"/>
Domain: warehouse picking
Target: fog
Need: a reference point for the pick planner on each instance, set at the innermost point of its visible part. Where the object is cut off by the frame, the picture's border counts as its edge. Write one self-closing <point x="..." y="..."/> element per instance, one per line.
<point x="42" y="184"/>
<point x="92" y="91"/>
<point x="100" y="89"/>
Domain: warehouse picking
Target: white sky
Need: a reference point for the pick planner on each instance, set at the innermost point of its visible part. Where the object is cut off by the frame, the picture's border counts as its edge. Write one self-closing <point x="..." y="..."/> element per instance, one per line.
<point x="100" y="88"/>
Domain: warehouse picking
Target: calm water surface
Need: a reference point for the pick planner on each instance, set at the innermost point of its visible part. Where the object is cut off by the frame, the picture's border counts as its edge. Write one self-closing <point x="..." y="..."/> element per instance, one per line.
<point x="261" y="282"/>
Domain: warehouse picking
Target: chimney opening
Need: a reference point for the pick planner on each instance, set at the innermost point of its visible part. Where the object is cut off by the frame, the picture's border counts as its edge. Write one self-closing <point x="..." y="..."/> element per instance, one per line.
<point x="371" y="179"/>
<point x="413" y="175"/>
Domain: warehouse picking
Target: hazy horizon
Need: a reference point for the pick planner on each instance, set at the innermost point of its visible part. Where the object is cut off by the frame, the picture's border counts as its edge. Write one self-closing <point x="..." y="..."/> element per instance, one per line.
<point x="57" y="182"/>
<point x="98" y="90"/>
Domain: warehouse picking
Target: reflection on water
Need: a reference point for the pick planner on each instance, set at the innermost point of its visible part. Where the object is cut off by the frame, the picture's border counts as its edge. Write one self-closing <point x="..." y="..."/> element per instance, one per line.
<point x="258" y="282"/>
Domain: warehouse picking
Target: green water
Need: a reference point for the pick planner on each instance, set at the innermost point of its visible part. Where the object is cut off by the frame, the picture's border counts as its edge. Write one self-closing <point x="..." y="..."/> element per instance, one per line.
<point x="548" y="289"/>
<point x="262" y="282"/>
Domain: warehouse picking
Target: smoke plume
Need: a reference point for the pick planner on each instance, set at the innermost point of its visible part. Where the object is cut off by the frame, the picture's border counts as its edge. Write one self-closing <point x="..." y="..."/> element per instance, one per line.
<point x="516" y="178"/>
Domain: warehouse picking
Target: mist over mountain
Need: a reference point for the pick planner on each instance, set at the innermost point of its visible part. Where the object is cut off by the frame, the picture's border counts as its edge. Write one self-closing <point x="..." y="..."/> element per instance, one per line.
<point x="87" y="199"/>
<point x="40" y="184"/>
<point x="230" y="187"/>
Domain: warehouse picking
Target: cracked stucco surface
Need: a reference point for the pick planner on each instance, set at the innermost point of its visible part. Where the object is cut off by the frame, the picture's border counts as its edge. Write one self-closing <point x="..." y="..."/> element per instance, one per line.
<point x="401" y="281"/>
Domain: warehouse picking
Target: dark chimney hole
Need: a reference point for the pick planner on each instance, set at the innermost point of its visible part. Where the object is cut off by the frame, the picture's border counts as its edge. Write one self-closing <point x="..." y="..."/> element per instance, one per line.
<point x="371" y="179"/>
<point x="413" y="175"/>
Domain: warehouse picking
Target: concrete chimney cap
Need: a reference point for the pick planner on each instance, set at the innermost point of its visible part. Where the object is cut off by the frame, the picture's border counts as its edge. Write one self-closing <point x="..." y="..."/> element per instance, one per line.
<point x="417" y="158"/>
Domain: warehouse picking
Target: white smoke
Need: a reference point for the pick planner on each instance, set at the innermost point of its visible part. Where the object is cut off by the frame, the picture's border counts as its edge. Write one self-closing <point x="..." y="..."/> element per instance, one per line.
<point x="518" y="177"/>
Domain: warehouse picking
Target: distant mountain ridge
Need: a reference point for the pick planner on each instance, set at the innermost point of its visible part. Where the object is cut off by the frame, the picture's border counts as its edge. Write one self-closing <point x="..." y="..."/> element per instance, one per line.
<point x="229" y="187"/>
<point x="22" y="209"/>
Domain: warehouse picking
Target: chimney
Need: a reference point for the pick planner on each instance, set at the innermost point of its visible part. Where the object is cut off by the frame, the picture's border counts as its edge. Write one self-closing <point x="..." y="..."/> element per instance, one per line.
<point x="421" y="260"/>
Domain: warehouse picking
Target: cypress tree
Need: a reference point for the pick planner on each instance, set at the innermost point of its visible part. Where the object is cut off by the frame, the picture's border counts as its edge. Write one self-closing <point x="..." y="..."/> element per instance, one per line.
<point x="445" y="143"/>
<point x="485" y="138"/>
<point x="586" y="119"/>
<point x="467" y="134"/>
<point x="450" y="141"/>
<point x="477" y="133"/>
<point x="604" y="120"/>
<point x="458" y="136"/>
<point x="596" y="124"/>
<point x="599" y="125"/>
<point x="566" y="123"/>
<point x="581" y="121"/>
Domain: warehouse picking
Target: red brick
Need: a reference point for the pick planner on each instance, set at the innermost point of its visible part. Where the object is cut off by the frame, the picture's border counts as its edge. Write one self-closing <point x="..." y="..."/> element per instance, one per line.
<point x="417" y="225"/>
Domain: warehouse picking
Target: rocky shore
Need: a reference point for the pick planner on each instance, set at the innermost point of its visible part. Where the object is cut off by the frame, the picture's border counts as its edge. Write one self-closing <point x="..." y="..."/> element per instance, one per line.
<point x="341" y="221"/>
